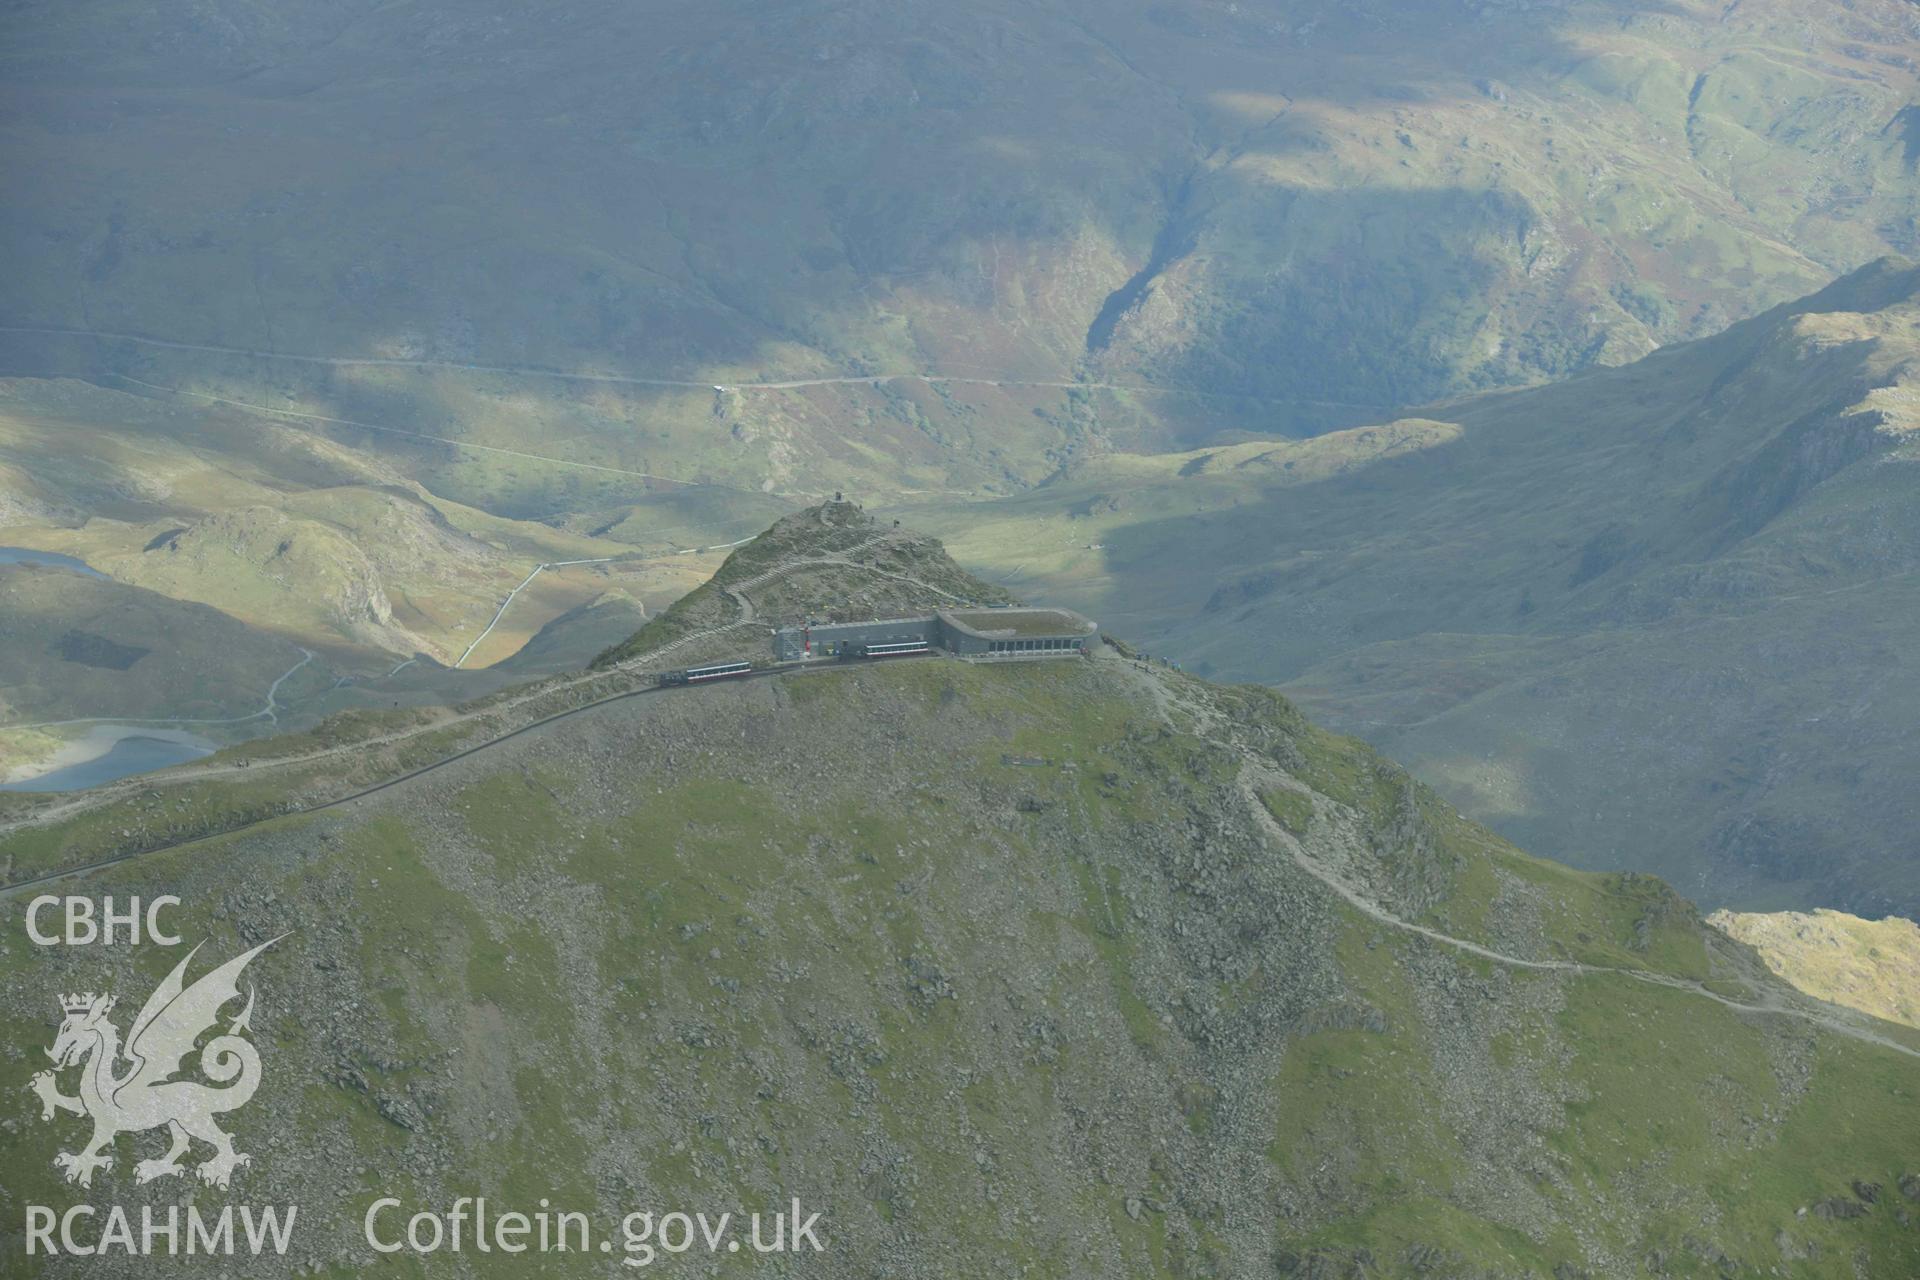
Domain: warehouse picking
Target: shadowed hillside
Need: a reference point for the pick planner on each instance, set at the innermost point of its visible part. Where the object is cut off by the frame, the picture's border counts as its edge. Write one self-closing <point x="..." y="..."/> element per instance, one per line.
<point x="74" y="646"/>
<point x="1655" y="616"/>
<point x="1307" y="212"/>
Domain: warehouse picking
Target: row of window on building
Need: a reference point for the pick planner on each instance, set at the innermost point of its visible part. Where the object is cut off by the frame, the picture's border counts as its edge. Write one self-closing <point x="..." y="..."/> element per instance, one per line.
<point x="1050" y="644"/>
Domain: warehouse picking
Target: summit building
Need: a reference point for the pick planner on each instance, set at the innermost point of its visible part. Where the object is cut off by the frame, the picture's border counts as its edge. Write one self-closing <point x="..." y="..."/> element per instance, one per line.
<point x="983" y="633"/>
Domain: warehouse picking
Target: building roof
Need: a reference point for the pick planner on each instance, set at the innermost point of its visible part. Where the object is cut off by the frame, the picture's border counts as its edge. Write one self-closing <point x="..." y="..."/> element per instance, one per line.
<point x="819" y="627"/>
<point x="1005" y="624"/>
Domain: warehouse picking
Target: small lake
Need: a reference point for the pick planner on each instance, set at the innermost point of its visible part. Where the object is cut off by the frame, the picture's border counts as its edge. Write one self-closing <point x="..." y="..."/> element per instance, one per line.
<point x="20" y="555"/>
<point x="109" y="751"/>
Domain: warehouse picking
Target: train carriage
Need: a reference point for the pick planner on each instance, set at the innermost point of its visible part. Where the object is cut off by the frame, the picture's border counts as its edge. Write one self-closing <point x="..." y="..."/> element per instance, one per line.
<point x="701" y="675"/>
<point x="888" y="649"/>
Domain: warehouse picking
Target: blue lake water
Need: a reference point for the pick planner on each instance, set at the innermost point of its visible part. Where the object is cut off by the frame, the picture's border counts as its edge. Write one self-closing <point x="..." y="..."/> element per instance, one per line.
<point x="20" y="555"/>
<point x="134" y="750"/>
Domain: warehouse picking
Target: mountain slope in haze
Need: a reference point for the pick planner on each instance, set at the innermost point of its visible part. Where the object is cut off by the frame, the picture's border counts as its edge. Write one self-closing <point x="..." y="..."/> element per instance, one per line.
<point x="1656" y="616"/>
<point x="1330" y="209"/>
<point x="228" y="542"/>
<point x="290" y="531"/>
<point x="74" y="646"/>
<point x="1079" y="964"/>
<point x="301" y="289"/>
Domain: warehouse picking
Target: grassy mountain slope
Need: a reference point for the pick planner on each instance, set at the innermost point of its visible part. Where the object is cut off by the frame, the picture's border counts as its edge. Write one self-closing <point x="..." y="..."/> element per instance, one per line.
<point x="831" y="560"/>
<point x="1098" y="1016"/>
<point x="1652" y="616"/>
<point x="1081" y="966"/>
<point x="579" y="635"/>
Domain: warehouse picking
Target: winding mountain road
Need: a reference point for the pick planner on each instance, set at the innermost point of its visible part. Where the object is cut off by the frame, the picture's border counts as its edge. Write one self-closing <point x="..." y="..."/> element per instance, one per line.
<point x="271" y="711"/>
<point x="686" y="384"/>
<point x="1774" y="1005"/>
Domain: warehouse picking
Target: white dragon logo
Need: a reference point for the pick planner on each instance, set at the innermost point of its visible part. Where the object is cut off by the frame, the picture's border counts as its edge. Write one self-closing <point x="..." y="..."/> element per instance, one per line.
<point x="145" y="1096"/>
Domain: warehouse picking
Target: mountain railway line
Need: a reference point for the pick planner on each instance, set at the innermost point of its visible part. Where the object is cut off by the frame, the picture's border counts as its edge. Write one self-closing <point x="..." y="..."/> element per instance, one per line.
<point x="1246" y="784"/>
<point x="64" y="873"/>
<point x="734" y="592"/>
<point x="746" y="614"/>
<point x="1165" y="699"/>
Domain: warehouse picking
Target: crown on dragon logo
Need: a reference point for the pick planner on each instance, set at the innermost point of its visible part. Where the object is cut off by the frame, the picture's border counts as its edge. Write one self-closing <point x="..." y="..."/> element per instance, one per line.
<point x="169" y="1030"/>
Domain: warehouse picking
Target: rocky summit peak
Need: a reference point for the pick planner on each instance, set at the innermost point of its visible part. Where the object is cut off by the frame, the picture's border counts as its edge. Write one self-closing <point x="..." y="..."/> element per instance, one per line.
<point x="828" y="562"/>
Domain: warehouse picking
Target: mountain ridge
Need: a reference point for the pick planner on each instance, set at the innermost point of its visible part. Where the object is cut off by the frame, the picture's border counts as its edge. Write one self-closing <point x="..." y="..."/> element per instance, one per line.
<point x="1155" y="986"/>
<point x="1174" y="926"/>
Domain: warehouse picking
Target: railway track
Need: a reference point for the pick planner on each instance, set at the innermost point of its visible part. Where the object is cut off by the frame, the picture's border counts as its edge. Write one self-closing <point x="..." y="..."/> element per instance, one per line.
<point x="736" y="592"/>
<point x="110" y="792"/>
<point x="64" y="873"/>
